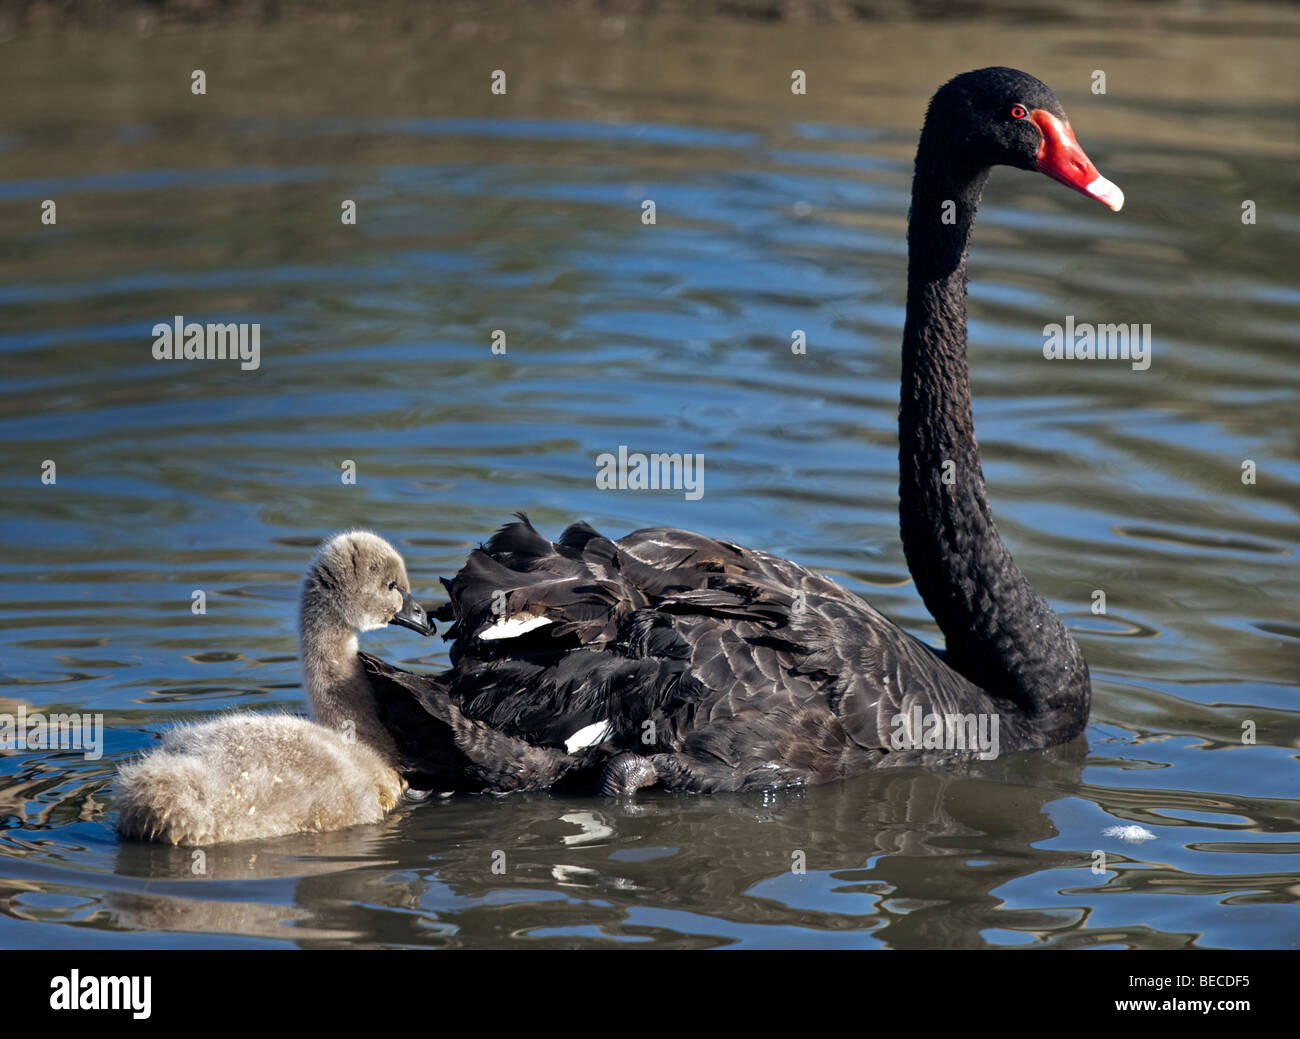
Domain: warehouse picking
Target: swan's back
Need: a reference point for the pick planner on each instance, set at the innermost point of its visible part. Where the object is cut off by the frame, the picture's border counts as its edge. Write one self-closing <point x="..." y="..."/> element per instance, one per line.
<point x="248" y="776"/>
<point x="750" y="669"/>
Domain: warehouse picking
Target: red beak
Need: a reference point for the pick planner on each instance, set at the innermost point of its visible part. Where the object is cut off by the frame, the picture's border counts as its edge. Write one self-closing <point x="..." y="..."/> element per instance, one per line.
<point x="1061" y="158"/>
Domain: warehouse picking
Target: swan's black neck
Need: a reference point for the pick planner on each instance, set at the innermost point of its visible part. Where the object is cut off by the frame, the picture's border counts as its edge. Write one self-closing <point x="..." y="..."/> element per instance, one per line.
<point x="1000" y="634"/>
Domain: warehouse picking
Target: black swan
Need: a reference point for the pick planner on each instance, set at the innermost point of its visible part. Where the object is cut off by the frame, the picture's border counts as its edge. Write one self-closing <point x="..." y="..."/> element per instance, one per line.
<point x="692" y="663"/>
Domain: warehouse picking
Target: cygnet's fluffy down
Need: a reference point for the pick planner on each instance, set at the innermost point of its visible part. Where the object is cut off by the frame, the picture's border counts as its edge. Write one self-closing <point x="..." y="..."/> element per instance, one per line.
<point x="247" y="776"/>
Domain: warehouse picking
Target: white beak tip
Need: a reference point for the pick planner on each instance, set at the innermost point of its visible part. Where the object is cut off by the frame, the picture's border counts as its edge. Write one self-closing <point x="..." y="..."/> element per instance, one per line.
<point x="1106" y="193"/>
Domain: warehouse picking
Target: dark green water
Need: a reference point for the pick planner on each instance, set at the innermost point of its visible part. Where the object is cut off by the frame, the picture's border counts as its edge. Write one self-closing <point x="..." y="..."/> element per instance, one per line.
<point x="523" y="213"/>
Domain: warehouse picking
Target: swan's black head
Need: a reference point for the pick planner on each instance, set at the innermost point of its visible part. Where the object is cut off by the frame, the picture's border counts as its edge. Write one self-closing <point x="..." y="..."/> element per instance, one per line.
<point x="1004" y="117"/>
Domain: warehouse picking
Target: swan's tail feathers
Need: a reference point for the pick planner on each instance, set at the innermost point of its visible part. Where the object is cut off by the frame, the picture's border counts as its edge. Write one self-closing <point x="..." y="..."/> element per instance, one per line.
<point x="540" y="719"/>
<point x="440" y="748"/>
<point x="414" y="709"/>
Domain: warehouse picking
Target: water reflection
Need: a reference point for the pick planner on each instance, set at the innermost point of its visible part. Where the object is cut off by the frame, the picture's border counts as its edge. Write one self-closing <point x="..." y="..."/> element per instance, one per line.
<point x="888" y="858"/>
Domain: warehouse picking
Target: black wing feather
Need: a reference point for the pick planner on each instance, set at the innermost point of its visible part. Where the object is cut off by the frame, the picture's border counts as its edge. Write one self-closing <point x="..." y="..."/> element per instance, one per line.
<point x="746" y="668"/>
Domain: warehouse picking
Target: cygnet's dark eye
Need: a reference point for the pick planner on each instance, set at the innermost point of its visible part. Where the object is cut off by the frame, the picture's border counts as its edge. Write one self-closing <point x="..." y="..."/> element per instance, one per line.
<point x="392" y="586"/>
<point x="1018" y="112"/>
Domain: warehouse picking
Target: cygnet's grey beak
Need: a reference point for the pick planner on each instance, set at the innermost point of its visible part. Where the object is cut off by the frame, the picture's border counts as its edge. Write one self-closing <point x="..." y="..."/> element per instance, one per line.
<point x="412" y="616"/>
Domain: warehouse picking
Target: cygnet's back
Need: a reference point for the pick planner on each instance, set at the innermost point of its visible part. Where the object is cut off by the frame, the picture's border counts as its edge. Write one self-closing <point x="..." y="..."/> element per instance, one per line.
<point x="248" y="776"/>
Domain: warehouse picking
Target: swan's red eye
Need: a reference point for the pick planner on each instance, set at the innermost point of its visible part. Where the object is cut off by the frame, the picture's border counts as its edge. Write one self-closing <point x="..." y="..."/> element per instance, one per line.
<point x="1018" y="112"/>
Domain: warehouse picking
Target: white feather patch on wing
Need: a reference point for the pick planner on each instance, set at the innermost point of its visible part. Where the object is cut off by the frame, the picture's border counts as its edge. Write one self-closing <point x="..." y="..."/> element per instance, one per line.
<point x="588" y="736"/>
<point x="512" y="627"/>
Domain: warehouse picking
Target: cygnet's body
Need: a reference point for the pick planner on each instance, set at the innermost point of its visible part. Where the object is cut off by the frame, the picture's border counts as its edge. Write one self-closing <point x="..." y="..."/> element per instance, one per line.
<point x="249" y="776"/>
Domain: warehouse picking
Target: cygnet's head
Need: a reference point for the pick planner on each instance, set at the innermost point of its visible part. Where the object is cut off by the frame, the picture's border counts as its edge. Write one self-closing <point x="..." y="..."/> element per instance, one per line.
<point x="359" y="579"/>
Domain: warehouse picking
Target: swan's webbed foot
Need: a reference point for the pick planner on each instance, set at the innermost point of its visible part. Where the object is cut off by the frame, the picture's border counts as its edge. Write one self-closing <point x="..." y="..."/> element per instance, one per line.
<point x="625" y="774"/>
<point x="420" y="795"/>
